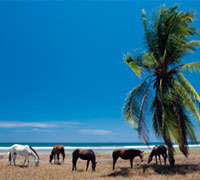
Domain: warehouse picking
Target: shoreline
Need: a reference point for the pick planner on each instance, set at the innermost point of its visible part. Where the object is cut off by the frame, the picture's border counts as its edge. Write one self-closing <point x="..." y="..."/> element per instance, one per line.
<point x="69" y="149"/>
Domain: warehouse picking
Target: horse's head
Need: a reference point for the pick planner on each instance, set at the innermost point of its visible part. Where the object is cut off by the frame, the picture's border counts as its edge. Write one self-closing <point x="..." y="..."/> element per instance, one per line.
<point x="141" y="156"/>
<point x="50" y="158"/>
<point x="151" y="156"/>
<point x="94" y="166"/>
<point x="37" y="162"/>
<point x="35" y="155"/>
<point x="150" y="159"/>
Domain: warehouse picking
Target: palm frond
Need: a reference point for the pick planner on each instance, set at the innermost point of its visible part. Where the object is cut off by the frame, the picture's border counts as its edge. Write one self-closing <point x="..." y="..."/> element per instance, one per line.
<point x="185" y="100"/>
<point x="176" y="129"/>
<point x="149" y="61"/>
<point x="169" y="33"/>
<point x="142" y="128"/>
<point x="192" y="67"/>
<point x="134" y="64"/>
<point x="150" y="38"/>
<point x="189" y="88"/>
<point x="191" y="45"/>
<point x="135" y="105"/>
<point x="131" y="108"/>
<point x="171" y="127"/>
<point x="156" y="109"/>
<point x="191" y="134"/>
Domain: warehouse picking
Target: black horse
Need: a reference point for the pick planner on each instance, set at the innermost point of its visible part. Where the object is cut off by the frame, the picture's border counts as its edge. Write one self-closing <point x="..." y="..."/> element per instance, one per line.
<point x="57" y="149"/>
<point x="86" y="154"/>
<point x="157" y="151"/>
<point x="126" y="154"/>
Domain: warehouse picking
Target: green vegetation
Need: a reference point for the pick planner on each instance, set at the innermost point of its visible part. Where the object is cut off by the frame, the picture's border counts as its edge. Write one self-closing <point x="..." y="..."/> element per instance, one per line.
<point x="164" y="90"/>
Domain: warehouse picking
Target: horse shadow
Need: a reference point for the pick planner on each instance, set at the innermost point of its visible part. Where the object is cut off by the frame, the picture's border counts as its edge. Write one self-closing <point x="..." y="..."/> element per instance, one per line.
<point x="20" y="166"/>
<point x="57" y="164"/>
<point x="80" y="170"/>
<point x="181" y="169"/>
<point x="124" y="172"/>
<point x="177" y="169"/>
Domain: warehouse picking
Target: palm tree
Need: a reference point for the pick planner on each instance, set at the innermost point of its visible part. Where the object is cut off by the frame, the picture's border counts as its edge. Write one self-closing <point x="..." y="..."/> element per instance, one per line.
<point x="164" y="91"/>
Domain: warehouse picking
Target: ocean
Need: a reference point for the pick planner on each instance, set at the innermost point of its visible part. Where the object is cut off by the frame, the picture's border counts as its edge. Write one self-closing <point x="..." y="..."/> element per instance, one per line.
<point x="97" y="147"/>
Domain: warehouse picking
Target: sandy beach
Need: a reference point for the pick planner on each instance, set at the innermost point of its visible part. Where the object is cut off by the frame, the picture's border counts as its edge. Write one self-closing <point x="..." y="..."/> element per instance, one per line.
<point x="185" y="168"/>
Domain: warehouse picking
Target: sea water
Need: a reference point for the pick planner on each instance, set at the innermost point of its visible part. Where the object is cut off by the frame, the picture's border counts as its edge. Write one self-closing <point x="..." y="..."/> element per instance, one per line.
<point x="97" y="147"/>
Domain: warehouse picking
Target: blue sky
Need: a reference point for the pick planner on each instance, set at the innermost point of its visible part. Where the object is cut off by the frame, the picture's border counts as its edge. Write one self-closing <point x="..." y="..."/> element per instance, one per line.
<point x="62" y="75"/>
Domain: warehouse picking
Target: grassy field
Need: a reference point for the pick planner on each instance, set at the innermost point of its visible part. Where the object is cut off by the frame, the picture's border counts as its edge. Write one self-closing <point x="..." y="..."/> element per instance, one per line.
<point x="185" y="168"/>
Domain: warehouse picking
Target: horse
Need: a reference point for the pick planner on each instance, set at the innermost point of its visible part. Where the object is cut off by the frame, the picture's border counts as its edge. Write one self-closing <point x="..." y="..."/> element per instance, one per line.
<point x="126" y="154"/>
<point x="23" y="150"/>
<point x="57" y="149"/>
<point x="86" y="154"/>
<point x="157" y="151"/>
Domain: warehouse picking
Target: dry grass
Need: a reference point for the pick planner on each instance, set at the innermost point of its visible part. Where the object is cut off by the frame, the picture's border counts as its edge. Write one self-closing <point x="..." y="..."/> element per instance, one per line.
<point x="186" y="168"/>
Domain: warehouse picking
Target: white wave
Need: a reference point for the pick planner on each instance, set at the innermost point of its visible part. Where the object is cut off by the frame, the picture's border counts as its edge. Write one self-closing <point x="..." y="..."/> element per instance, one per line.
<point x="71" y="148"/>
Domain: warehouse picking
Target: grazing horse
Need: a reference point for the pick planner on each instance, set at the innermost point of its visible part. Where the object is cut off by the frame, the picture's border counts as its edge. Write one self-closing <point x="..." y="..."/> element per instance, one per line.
<point x="23" y="150"/>
<point x="57" y="149"/>
<point x="126" y="154"/>
<point x="86" y="154"/>
<point x="157" y="151"/>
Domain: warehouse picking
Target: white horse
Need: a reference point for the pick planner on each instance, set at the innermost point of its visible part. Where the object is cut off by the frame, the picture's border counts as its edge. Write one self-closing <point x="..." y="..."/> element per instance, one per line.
<point x="23" y="150"/>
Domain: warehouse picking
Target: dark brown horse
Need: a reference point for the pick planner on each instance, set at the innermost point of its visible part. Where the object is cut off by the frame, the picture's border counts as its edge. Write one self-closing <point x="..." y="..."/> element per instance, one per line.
<point x="57" y="149"/>
<point x="86" y="154"/>
<point x="157" y="151"/>
<point x="126" y="154"/>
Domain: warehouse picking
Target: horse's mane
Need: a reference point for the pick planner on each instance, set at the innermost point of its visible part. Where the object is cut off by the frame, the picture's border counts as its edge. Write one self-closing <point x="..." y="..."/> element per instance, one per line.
<point x="34" y="151"/>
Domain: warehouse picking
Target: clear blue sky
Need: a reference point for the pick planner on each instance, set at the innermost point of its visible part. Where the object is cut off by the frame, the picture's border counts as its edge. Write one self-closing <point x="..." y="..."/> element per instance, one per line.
<point x="62" y="76"/>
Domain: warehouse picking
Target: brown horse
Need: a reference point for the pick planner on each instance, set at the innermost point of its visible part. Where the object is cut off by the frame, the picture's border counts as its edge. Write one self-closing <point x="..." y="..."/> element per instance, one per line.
<point x="157" y="151"/>
<point x="126" y="154"/>
<point x="57" y="149"/>
<point x="86" y="154"/>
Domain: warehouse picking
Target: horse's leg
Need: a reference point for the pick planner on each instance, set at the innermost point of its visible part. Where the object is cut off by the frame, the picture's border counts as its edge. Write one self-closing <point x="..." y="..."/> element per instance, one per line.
<point x="58" y="157"/>
<point x="54" y="158"/>
<point x="156" y="158"/>
<point x="14" y="158"/>
<point x="10" y="157"/>
<point x="159" y="159"/>
<point x="63" y="155"/>
<point x="28" y="162"/>
<point x="24" y="162"/>
<point x="63" y="158"/>
<point x="164" y="157"/>
<point x="88" y="161"/>
<point x="131" y="161"/>
<point x="74" y="163"/>
<point x="114" y="161"/>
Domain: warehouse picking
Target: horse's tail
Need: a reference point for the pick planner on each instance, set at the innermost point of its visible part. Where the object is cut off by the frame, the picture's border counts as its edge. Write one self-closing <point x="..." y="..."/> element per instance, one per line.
<point x="75" y="154"/>
<point x="113" y="154"/>
<point x="34" y="152"/>
<point x="63" y="152"/>
<point x="116" y="153"/>
<point x="165" y="151"/>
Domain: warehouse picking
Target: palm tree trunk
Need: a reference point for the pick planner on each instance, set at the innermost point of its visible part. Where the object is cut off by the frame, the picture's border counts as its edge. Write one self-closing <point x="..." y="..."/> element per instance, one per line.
<point x="170" y="152"/>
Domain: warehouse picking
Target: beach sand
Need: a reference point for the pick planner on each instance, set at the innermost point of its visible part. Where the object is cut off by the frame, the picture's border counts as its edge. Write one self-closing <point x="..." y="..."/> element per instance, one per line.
<point x="185" y="168"/>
